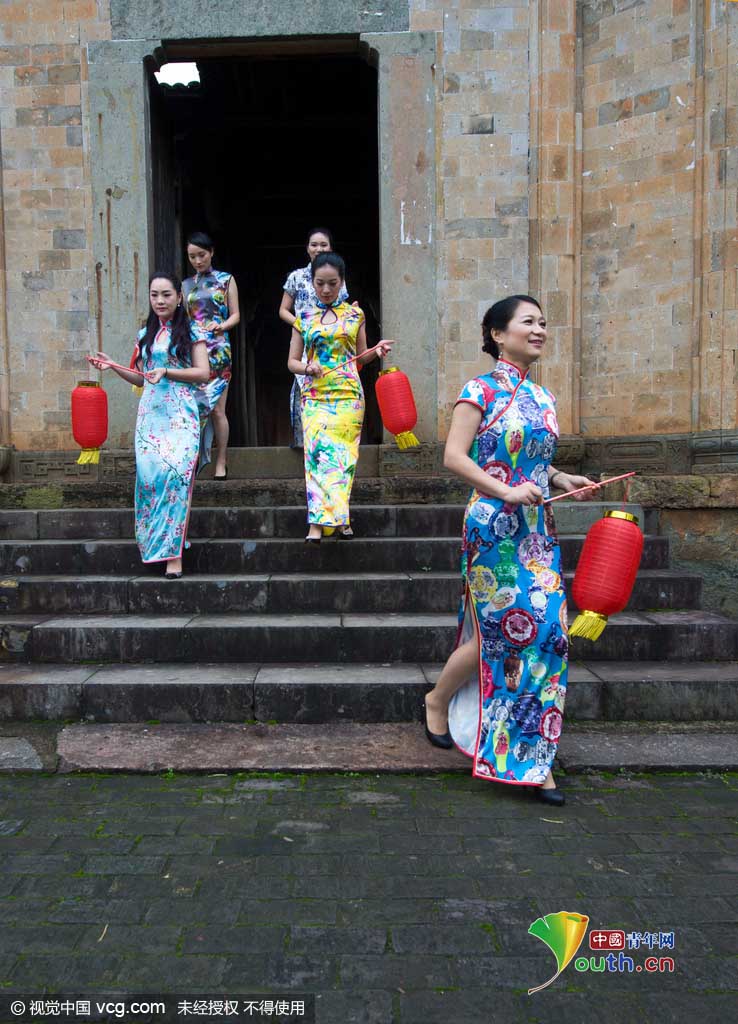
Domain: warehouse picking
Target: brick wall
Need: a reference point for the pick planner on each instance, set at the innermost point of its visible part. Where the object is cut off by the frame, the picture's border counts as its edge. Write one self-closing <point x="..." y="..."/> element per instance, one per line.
<point x="482" y="173"/>
<point x="585" y="150"/>
<point x="46" y="210"/>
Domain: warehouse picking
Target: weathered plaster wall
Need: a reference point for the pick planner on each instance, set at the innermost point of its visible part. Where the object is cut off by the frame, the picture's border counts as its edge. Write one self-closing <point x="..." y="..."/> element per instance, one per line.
<point x="660" y="168"/>
<point x="47" y="222"/>
<point x="483" y="86"/>
<point x="585" y="150"/>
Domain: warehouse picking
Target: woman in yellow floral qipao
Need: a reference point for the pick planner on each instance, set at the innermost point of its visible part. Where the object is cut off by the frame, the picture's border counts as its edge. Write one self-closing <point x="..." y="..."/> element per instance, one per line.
<point x="332" y="397"/>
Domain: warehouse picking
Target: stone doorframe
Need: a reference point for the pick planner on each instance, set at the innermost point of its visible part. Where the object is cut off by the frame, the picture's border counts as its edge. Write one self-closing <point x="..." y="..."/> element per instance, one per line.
<point x="123" y="242"/>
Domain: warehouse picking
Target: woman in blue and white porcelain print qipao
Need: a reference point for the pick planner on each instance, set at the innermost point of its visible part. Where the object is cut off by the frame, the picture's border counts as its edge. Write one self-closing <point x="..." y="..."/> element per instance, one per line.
<point x="170" y="364"/>
<point x="500" y="696"/>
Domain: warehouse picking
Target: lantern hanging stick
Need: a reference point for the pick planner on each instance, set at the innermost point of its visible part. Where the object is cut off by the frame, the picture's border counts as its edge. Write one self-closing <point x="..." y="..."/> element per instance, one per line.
<point x="610" y="480"/>
<point x="117" y="366"/>
<point x="353" y="359"/>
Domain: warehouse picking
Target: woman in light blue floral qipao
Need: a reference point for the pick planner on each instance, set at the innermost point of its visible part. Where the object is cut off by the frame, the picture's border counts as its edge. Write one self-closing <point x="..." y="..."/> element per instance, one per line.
<point x="500" y="696"/>
<point x="169" y="364"/>
<point x="211" y="301"/>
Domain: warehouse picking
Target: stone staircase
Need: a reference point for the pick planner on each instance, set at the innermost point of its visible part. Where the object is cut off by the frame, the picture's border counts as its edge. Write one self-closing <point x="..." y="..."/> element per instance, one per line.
<point x="266" y="628"/>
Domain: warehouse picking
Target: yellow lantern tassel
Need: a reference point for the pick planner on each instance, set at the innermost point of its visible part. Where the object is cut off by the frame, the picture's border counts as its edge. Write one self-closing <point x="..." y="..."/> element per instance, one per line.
<point x="137" y="390"/>
<point x="406" y="440"/>
<point x="589" y="625"/>
<point x="89" y="456"/>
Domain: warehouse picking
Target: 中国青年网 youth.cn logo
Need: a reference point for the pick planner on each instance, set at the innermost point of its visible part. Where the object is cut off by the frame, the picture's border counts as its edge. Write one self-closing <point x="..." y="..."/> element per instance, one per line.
<point x="563" y="933"/>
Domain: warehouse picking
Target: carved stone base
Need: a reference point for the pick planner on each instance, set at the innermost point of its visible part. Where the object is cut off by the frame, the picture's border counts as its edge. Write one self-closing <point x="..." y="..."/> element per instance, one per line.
<point x="709" y="452"/>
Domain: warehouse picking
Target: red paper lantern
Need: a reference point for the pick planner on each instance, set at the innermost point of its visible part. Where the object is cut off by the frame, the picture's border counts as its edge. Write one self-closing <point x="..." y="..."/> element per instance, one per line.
<point x="89" y="419"/>
<point x="397" y="406"/>
<point x="606" y="572"/>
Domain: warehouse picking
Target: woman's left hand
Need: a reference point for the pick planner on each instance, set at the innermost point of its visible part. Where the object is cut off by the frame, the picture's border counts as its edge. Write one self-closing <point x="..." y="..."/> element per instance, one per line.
<point x="154" y="376"/>
<point x="572" y="482"/>
<point x="314" y="369"/>
<point x="216" y="329"/>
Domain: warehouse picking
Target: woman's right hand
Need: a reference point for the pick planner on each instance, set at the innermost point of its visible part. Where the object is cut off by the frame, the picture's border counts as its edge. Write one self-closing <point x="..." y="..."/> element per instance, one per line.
<point x="524" y="494"/>
<point x="100" y="361"/>
<point x="314" y="369"/>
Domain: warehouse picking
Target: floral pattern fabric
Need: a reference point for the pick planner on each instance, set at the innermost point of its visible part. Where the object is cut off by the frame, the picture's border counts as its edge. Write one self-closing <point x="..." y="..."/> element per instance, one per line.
<point x="167" y="442"/>
<point x="509" y="718"/>
<point x="332" y="413"/>
<point x="299" y="285"/>
<point x="206" y="300"/>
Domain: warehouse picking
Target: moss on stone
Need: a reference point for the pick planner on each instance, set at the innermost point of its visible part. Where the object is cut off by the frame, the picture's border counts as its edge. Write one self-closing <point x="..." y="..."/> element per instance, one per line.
<point x="48" y="496"/>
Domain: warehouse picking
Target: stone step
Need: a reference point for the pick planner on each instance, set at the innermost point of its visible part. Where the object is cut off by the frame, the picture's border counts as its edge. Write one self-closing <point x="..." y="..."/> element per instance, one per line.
<point x="678" y="691"/>
<point x="270" y="521"/>
<point x="275" y="593"/>
<point x="269" y="555"/>
<point x="403" y="485"/>
<point x="109" y="492"/>
<point x="345" y="638"/>
<point x="392" y="747"/>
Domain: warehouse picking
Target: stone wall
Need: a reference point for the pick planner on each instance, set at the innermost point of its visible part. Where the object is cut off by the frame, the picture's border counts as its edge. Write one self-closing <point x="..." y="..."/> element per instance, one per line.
<point x="483" y="100"/>
<point x="585" y="150"/>
<point x="660" y="128"/>
<point x="699" y="515"/>
<point x="47" y="273"/>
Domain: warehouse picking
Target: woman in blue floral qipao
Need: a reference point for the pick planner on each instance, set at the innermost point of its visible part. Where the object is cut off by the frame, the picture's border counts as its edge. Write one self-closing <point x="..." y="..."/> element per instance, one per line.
<point x="500" y="696"/>
<point x="168" y="363"/>
<point x="211" y="301"/>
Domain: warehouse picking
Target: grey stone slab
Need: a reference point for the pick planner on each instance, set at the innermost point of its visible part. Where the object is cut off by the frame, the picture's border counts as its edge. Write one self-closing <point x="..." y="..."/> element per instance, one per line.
<point x="17" y="755"/>
<point x="318" y="621"/>
<point x="200" y="594"/>
<point x="130" y="19"/>
<point x="45" y="692"/>
<point x="684" y="751"/>
<point x="331" y="693"/>
<point x="55" y="595"/>
<point x="668" y="671"/>
<point x="85" y="523"/>
<point x="362" y="747"/>
<point x="170" y="693"/>
<point x="268" y="748"/>
<point x="18" y="524"/>
<point x="397" y="620"/>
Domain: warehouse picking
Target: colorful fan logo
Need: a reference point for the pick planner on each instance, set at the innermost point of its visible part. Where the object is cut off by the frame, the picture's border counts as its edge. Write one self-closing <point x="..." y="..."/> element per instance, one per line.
<point x="563" y="934"/>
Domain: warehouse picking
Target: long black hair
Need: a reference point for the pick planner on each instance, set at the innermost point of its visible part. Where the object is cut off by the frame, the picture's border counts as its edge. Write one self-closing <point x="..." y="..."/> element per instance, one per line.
<point x="498" y="317"/>
<point x="180" y="347"/>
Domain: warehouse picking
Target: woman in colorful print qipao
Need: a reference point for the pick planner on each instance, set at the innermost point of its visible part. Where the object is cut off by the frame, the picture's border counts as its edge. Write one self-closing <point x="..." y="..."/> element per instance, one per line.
<point x="170" y="364"/>
<point x="503" y="689"/>
<point x="211" y="298"/>
<point x="333" y="400"/>
<point x="299" y="299"/>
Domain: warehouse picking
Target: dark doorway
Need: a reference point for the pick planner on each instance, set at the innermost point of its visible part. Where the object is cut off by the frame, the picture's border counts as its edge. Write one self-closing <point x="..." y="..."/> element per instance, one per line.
<point x="264" y="149"/>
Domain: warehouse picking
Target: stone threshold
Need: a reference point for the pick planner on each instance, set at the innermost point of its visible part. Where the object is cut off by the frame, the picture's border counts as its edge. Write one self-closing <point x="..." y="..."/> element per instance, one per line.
<point x="140" y="748"/>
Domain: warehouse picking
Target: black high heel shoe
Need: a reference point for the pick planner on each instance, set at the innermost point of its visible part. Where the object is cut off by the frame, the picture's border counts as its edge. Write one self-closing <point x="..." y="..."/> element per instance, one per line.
<point x="554" y="797"/>
<point x="437" y="739"/>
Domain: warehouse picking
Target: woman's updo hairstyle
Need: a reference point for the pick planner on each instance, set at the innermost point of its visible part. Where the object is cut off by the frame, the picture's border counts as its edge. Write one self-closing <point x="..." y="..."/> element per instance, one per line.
<point x="328" y="259"/>
<point x="201" y="240"/>
<point x="498" y="317"/>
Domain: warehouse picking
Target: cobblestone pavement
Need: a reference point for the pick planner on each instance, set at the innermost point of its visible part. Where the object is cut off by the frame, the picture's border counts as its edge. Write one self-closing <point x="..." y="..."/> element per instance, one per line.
<point x="397" y="899"/>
